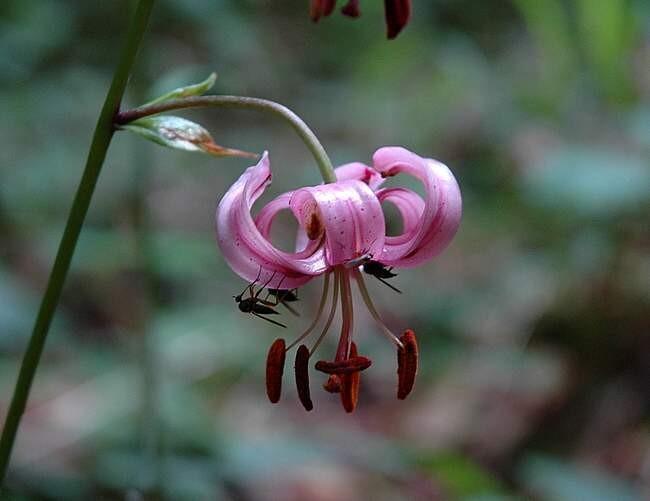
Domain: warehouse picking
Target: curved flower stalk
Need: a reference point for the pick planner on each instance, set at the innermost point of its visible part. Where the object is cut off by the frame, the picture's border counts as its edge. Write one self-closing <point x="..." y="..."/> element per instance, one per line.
<point x="341" y="230"/>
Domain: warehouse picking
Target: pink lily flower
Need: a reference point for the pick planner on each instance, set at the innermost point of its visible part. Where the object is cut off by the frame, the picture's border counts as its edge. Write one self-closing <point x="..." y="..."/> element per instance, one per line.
<point x="342" y="231"/>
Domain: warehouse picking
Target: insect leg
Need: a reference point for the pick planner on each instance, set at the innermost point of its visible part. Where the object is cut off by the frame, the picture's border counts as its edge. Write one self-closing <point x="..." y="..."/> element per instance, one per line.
<point x="265" y="284"/>
<point x="290" y="308"/>
<point x="249" y="287"/>
<point x="268" y="319"/>
<point x="389" y="285"/>
<point x="278" y="298"/>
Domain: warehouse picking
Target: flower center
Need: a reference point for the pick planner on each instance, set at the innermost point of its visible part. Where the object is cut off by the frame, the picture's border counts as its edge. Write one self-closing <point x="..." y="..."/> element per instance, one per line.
<point x="344" y="372"/>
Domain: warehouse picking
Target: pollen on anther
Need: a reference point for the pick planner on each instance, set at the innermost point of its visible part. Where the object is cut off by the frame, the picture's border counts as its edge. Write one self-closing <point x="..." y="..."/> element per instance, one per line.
<point x="301" y="367"/>
<point x="333" y="384"/>
<point x="352" y="364"/>
<point x="275" y="369"/>
<point x="407" y="364"/>
<point x="350" y="383"/>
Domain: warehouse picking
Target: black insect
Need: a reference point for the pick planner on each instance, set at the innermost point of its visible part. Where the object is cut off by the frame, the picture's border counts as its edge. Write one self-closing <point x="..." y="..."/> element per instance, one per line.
<point x="358" y="261"/>
<point x="255" y="305"/>
<point x="380" y="272"/>
<point x="288" y="296"/>
<point x="285" y="296"/>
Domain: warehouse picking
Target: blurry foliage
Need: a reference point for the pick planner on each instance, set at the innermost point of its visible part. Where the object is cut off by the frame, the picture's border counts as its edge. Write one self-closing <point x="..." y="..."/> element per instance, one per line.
<point x="534" y="324"/>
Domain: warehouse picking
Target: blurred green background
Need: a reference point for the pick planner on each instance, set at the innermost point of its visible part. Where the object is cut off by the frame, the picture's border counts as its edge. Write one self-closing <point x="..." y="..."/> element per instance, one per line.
<point x="534" y="325"/>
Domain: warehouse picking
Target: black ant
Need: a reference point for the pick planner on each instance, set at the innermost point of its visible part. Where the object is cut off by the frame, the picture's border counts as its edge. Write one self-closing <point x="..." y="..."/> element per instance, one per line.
<point x="256" y="305"/>
<point x="285" y="296"/>
<point x="380" y="272"/>
<point x="374" y="268"/>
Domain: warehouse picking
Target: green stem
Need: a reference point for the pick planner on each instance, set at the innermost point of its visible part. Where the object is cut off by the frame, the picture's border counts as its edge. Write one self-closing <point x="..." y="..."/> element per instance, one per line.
<point x="100" y="142"/>
<point x="301" y="128"/>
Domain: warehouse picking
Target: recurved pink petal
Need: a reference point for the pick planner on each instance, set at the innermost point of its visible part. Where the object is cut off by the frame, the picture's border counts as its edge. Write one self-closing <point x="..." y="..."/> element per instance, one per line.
<point x="349" y="215"/>
<point x="264" y="220"/>
<point x="410" y="206"/>
<point x="439" y="215"/>
<point x="246" y="249"/>
<point x="361" y="172"/>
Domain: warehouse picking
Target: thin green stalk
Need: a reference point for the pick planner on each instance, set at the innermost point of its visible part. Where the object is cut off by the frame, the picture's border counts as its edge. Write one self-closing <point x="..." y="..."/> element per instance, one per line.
<point x="301" y="128"/>
<point x="101" y="139"/>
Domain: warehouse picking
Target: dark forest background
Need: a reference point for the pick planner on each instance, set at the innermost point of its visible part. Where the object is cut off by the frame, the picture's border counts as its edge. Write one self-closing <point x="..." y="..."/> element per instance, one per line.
<point x="534" y="325"/>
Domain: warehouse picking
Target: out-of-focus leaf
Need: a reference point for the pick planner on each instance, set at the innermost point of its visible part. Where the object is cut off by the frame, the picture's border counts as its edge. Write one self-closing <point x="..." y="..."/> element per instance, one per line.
<point x="590" y="182"/>
<point x="188" y="90"/>
<point x="461" y="477"/>
<point x="639" y="126"/>
<point x="16" y="309"/>
<point x="27" y="36"/>
<point x="186" y="478"/>
<point x="548" y="23"/>
<point x="181" y="134"/>
<point x="551" y="478"/>
<point x="606" y="33"/>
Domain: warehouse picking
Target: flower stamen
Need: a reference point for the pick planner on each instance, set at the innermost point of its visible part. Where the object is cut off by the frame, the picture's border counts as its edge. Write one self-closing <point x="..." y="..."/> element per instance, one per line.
<point x="333" y="384"/>
<point x="319" y="312"/>
<point x="407" y="364"/>
<point x="373" y="311"/>
<point x="330" y="318"/>
<point x="274" y="370"/>
<point x="350" y="383"/>
<point x="352" y="364"/>
<point x="301" y="368"/>
<point x="348" y="317"/>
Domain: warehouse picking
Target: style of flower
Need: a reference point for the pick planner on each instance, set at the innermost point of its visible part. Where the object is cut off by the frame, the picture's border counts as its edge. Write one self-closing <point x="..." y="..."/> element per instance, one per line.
<point x="397" y="12"/>
<point x="341" y="228"/>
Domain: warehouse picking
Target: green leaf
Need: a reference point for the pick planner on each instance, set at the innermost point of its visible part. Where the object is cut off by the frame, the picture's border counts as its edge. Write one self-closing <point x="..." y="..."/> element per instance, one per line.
<point x="181" y="134"/>
<point x="189" y="90"/>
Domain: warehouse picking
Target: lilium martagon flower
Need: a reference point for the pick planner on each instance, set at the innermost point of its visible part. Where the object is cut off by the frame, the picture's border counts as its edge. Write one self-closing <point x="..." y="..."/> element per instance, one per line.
<point x="397" y="12"/>
<point x="342" y="231"/>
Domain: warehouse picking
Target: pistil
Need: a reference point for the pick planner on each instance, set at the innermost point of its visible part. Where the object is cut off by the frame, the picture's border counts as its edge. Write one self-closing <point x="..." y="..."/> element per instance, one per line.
<point x="330" y="318"/>
<point x="347" y="314"/>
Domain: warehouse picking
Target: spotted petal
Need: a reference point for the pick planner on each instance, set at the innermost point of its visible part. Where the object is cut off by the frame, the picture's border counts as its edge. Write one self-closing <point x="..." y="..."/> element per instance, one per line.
<point x="248" y="250"/>
<point x="348" y="215"/>
<point x="361" y="172"/>
<point x="429" y="223"/>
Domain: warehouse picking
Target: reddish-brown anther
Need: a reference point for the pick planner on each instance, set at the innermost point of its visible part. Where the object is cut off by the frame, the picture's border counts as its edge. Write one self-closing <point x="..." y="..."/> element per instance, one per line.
<point x="352" y="364"/>
<point x="275" y="369"/>
<point x="350" y="390"/>
<point x="321" y="8"/>
<point x="350" y="384"/>
<point x="333" y="384"/>
<point x="407" y="364"/>
<point x="351" y="9"/>
<point x="397" y="13"/>
<point x="301" y="367"/>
